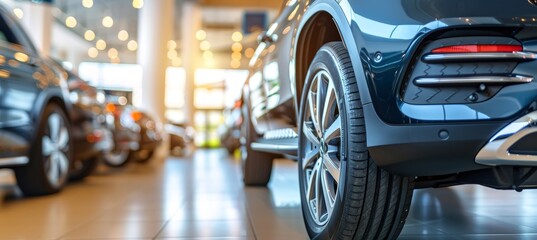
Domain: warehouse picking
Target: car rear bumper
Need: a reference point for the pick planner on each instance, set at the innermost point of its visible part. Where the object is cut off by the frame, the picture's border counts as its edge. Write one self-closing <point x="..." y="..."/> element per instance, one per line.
<point x="428" y="149"/>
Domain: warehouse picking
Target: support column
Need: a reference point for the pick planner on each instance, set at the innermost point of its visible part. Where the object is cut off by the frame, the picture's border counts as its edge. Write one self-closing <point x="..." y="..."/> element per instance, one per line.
<point x="37" y="21"/>
<point x="155" y="28"/>
<point x="192" y="21"/>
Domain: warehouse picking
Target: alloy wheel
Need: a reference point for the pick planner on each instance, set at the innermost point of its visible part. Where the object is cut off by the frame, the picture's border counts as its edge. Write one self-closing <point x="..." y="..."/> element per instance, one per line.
<point x="55" y="150"/>
<point x="321" y="163"/>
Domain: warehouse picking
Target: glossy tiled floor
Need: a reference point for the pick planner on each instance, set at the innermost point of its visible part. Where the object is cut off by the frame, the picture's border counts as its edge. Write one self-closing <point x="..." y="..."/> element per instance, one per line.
<point x="202" y="197"/>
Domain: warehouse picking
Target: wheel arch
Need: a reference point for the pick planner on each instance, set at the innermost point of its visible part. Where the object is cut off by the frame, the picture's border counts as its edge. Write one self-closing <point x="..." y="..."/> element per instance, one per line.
<point x="330" y="17"/>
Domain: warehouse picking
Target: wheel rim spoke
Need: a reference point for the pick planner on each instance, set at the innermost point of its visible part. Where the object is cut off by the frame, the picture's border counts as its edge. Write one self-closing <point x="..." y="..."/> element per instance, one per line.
<point x="328" y="192"/>
<point x="63" y="163"/>
<point x="53" y="168"/>
<point x="47" y="146"/>
<point x="313" y="111"/>
<point x="328" y="106"/>
<point x="311" y="187"/>
<point x="54" y="123"/>
<point x="333" y="131"/>
<point x="319" y="103"/>
<point x="331" y="165"/>
<point x="319" y="194"/>
<point x="310" y="159"/>
<point x="63" y="138"/>
<point x="310" y="132"/>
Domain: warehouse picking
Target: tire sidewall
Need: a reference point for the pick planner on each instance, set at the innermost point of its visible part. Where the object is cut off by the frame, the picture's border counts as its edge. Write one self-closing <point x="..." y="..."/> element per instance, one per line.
<point x="325" y="60"/>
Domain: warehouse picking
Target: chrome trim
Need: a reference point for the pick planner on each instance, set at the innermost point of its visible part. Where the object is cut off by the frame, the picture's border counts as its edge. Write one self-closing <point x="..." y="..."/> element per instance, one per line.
<point x="447" y="57"/>
<point x="432" y="81"/>
<point x="273" y="147"/>
<point x="496" y="151"/>
<point x="14" y="161"/>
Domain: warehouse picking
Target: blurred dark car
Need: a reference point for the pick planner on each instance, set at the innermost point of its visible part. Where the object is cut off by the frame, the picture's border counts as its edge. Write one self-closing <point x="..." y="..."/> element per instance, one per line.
<point x="230" y="131"/>
<point x="34" y="125"/>
<point x="181" y="138"/>
<point x="125" y="132"/>
<point x="150" y="137"/>
<point x="91" y="137"/>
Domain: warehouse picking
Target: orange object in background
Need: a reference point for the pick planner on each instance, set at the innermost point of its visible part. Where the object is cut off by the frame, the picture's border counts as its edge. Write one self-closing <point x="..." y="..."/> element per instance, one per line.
<point x="136" y="116"/>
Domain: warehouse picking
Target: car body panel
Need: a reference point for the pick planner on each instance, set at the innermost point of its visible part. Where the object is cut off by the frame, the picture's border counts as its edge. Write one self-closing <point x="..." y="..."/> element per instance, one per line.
<point x="383" y="39"/>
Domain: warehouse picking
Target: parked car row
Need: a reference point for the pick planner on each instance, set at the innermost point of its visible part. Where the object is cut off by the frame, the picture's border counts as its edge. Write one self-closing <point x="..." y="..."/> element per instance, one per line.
<point x="377" y="98"/>
<point x="53" y="125"/>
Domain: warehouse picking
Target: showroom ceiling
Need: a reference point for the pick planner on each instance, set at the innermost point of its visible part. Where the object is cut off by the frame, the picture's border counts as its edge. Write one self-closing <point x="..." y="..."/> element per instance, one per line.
<point x="220" y="19"/>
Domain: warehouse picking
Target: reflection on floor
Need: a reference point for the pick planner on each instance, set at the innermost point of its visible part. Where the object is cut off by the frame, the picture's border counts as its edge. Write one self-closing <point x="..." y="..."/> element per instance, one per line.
<point x="202" y="197"/>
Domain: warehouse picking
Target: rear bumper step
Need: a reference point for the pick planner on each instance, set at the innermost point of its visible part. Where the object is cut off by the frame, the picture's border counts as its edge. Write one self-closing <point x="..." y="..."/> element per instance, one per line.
<point x="497" y="152"/>
<point x="287" y="146"/>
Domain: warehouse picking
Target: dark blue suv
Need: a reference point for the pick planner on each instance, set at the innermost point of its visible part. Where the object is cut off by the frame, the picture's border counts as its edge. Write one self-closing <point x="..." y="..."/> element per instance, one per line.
<point x="377" y="98"/>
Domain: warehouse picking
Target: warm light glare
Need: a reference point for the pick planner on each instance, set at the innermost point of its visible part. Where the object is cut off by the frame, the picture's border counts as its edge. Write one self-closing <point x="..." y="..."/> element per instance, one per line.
<point x="108" y="22"/>
<point x="236" y="47"/>
<point x="201" y="35"/>
<point x="89" y="35"/>
<point x="132" y="45"/>
<point x="207" y="55"/>
<point x="172" y="45"/>
<point x="18" y="12"/>
<point x="205" y="45"/>
<point x="87" y="3"/>
<point x="137" y="3"/>
<point x="123" y="35"/>
<point x="172" y="54"/>
<point x="235" y="64"/>
<point x="100" y="44"/>
<point x="21" y="57"/>
<point x="249" y="52"/>
<point x="70" y="22"/>
<point x="112" y="53"/>
<point x="236" y="37"/>
<point x="93" y="52"/>
<point x="115" y="60"/>
<point x="236" y="56"/>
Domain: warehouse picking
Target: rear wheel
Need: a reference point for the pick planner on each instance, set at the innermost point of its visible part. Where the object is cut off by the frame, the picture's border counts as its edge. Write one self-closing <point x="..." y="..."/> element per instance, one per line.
<point x="344" y="194"/>
<point x="50" y="156"/>
<point x="117" y="157"/>
<point x="256" y="166"/>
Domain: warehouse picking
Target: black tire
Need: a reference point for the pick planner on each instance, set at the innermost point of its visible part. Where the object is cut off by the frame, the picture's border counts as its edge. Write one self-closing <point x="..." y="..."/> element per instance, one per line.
<point x="82" y="169"/>
<point x="50" y="155"/>
<point x="356" y="198"/>
<point x="117" y="158"/>
<point x="256" y="166"/>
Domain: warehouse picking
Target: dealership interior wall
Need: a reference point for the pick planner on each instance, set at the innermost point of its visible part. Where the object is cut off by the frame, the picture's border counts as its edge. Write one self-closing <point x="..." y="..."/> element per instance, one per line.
<point x="184" y="62"/>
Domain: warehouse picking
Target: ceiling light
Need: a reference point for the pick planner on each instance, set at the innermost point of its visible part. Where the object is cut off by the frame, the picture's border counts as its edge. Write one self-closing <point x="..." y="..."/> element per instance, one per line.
<point x="87" y="3"/>
<point x="137" y="3"/>
<point x="236" y="56"/>
<point x="123" y="35"/>
<point x="100" y="44"/>
<point x="70" y="22"/>
<point x="207" y="55"/>
<point x="93" y="52"/>
<point x="108" y="22"/>
<point x="172" y="54"/>
<point x="18" y="12"/>
<point x="249" y="52"/>
<point x="205" y="45"/>
<point x="112" y="53"/>
<point x="201" y="35"/>
<point x="236" y="36"/>
<point x="236" y="47"/>
<point x="132" y="45"/>
<point x="89" y="35"/>
<point x="235" y="64"/>
<point x="172" y="45"/>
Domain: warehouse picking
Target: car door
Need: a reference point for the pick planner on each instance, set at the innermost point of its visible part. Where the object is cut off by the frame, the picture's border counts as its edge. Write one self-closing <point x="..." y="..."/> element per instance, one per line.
<point x="20" y="74"/>
<point x="269" y="83"/>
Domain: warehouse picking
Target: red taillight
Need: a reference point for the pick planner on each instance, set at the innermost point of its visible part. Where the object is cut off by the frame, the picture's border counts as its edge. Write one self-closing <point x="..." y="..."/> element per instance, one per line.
<point x="478" y="48"/>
